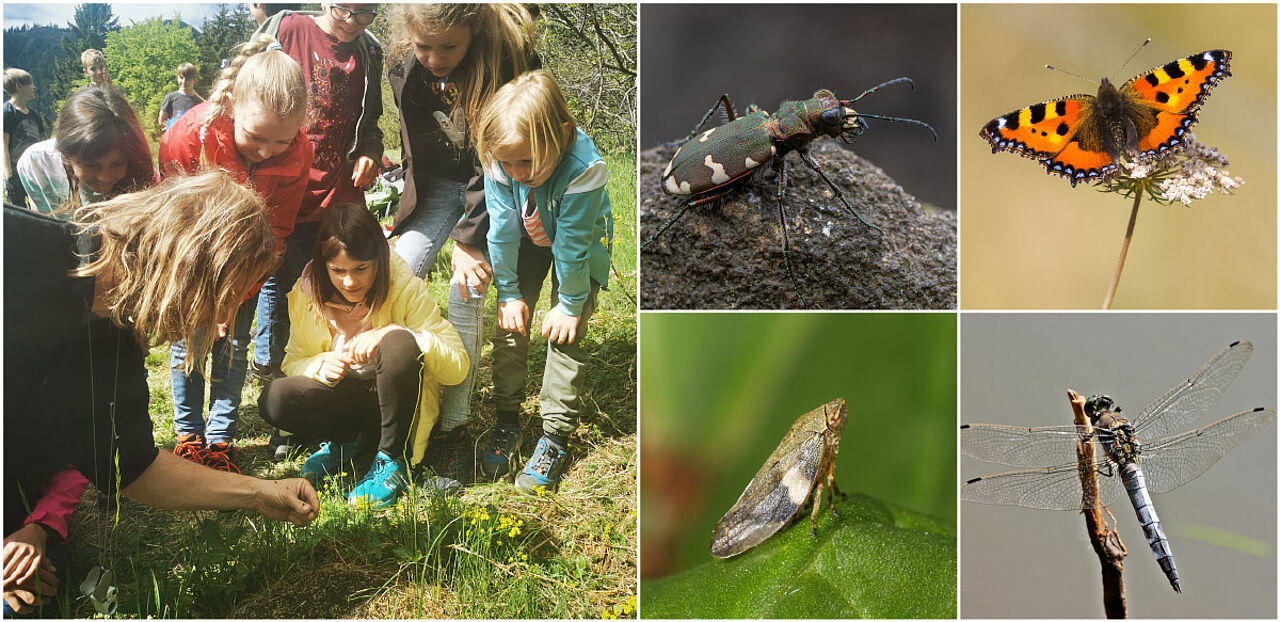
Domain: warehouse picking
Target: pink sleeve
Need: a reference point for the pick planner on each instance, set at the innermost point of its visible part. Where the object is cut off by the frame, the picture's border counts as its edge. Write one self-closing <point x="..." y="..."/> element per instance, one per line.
<point x="61" y="494"/>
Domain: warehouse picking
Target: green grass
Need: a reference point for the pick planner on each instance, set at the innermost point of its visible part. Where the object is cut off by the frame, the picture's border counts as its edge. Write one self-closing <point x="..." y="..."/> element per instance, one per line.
<point x="491" y="552"/>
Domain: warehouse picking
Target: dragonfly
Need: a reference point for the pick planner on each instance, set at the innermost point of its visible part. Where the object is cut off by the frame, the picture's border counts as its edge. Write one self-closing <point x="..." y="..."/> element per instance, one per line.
<point x="1132" y="457"/>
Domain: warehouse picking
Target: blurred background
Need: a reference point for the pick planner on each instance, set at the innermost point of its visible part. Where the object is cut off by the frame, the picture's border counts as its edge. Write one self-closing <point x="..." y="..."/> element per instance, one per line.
<point x="1031" y="241"/>
<point x="720" y="390"/>
<point x="764" y="54"/>
<point x="1026" y="563"/>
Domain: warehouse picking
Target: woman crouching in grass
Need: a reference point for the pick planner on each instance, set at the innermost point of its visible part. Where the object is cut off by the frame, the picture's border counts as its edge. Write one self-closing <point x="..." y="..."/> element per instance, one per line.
<point x="367" y="354"/>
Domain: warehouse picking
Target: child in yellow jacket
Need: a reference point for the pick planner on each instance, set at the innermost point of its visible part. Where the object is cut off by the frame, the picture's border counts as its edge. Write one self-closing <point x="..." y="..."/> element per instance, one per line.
<point x="367" y="354"/>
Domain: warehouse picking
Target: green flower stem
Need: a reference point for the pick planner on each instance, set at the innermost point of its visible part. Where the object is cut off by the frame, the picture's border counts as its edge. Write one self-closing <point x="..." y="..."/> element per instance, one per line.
<point x="1124" y="251"/>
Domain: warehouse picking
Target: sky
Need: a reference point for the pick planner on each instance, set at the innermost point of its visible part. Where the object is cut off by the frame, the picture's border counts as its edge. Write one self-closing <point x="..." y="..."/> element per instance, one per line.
<point x="58" y="14"/>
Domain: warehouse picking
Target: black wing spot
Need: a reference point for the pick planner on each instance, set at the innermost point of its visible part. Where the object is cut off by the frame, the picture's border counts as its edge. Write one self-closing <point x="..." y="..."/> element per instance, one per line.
<point x="1174" y="70"/>
<point x="1062" y="129"/>
<point x="1163" y="97"/>
<point x="1198" y="61"/>
<point x="1037" y="113"/>
<point x="1152" y="79"/>
<point x="973" y="480"/>
<point x="1061" y="107"/>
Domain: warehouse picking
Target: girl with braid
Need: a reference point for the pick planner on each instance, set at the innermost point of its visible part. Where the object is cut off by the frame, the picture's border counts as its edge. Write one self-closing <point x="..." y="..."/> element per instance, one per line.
<point x="251" y="128"/>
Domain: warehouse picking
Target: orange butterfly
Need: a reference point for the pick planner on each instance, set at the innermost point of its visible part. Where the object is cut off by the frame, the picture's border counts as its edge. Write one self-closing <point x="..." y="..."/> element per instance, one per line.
<point x="1080" y="137"/>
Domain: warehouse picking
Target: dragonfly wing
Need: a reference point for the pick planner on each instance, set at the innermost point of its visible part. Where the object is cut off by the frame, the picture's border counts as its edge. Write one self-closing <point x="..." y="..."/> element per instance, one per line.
<point x="1019" y="447"/>
<point x="1046" y="488"/>
<point x="1171" y="462"/>
<point x="1184" y="403"/>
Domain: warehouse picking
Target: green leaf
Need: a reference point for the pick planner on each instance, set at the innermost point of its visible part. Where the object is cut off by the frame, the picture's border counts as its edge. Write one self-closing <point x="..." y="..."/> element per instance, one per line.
<point x="873" y="561"/>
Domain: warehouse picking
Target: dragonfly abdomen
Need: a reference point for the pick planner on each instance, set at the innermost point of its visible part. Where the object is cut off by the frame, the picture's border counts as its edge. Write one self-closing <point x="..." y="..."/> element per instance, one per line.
<point x="1136" y="485"/>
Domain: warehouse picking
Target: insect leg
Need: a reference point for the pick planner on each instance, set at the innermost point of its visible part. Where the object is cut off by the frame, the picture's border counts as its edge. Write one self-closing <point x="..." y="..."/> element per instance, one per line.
<point x="813" y="164"/>
<point x="782" y="222"/>
<point x="817" y="503"/>
<point x="729" y="113"/>
<point x="667" y="225"/>
<point x="832" y="490"/>
<point x="882" y="85"/>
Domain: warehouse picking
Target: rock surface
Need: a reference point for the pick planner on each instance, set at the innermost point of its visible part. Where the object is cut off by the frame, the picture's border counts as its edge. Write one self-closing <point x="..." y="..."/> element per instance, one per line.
<point x="728" y="254"/>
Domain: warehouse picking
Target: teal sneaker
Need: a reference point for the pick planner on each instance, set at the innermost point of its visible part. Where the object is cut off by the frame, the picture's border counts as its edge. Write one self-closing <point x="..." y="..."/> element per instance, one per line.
<point x="383" y="483"/>
<point x="503" y="444"/>
<point x="328" y="460"/>
<point x="544" y="468"/>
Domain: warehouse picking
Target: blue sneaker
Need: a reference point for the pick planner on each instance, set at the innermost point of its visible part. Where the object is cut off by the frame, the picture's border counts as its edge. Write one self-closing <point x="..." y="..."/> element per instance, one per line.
<point x="543" y="469"/>
<point x="328" y="460"/>
<point x="503" y="444"/>
<point x="383" y="483"/>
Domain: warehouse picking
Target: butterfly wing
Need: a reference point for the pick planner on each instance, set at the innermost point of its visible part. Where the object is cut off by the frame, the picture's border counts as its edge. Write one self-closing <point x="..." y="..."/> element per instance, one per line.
<point x="1051" y="132"/>
<point x="1172" y="94"/>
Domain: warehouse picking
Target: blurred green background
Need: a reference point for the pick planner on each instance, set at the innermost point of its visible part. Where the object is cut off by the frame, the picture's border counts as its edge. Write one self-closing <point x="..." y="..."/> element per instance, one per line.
<point x="1031" y="241"/>
<point x="720" y="390"/>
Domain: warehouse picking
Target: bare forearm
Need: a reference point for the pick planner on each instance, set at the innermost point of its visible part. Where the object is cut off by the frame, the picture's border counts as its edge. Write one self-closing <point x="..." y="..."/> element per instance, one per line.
<point x="176" y="484"/>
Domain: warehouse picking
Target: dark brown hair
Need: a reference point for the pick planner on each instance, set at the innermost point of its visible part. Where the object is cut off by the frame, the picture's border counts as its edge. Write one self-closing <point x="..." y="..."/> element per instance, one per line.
<point x="352" y="228"/>
<point x="95" y="121"/>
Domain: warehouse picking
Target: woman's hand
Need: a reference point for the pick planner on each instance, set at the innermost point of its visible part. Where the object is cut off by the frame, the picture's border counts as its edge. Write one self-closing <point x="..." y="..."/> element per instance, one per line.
<point x="560" y="327"/>
<point x="365" y="345"/>
<point x="29" y="577"/>
<point x="513" y="316"/>
<point x="470" y="268"/>
<point x="334" y="367"/>
<point x="364" y="171"/>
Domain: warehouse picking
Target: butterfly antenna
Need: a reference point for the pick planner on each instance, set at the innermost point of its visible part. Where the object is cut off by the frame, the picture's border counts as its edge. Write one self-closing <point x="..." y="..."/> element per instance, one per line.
<point x="1070" y="73"/>
<point x="1135" y="53"/>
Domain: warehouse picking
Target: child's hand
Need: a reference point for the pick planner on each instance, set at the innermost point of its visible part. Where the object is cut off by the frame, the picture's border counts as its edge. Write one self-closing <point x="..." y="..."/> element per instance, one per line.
<point x="365" y="345"/>
<point x="513" y="316"/>
<point x="470" y="268"/>
<point x="334" y="367"/>
<point x="560" y="327"/>
<point x="364" y="172"/>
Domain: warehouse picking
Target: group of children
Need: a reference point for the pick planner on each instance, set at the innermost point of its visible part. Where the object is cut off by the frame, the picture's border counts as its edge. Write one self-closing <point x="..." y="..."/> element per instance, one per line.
<point x="352" y="348"/>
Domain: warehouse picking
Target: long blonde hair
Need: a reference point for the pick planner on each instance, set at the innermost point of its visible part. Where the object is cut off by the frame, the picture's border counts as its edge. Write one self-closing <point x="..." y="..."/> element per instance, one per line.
<point x="269" y="78"/>
<point x="530" y="108"/>
<point x="501" y="41"/>
<point x="180" y="256"/>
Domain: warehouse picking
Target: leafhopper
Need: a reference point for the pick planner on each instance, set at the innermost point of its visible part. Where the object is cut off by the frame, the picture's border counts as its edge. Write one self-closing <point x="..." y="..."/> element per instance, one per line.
<point x="795" y="472"/>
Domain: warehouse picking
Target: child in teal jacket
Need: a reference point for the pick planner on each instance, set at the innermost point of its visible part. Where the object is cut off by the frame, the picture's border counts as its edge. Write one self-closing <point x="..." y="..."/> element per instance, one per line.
<point x="549" y="212"/>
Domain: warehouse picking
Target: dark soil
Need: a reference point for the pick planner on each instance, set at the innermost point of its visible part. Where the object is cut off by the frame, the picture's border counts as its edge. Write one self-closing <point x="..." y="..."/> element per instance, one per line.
<point x="728" y="254"/>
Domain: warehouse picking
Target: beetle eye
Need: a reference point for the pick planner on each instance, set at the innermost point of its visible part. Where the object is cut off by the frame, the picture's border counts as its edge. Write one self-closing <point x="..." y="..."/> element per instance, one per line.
<point x="832" y="117"/>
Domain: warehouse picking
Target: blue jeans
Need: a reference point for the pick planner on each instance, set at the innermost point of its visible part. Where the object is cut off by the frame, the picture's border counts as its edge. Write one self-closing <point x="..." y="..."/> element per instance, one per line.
<point x="230" y="363"/>
<point x="273" y="304"/>
<point x="440" y="206"/>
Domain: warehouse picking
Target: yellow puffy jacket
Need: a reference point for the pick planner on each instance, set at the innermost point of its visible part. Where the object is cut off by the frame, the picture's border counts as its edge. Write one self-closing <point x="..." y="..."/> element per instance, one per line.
<point x="409" y="305"/>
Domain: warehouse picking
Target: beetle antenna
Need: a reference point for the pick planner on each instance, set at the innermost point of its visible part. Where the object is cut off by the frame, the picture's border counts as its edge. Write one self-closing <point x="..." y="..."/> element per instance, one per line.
<point x="877" y="87"/>
<point x="1135" y="53"/>
<point x="1070" y="73"/>
<point x="899" y="120"/>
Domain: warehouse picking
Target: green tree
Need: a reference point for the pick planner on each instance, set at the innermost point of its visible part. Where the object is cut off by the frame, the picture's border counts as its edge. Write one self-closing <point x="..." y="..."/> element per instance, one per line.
<point x="221" y="32"/>
<point x="591" y="50"/>
<point x="89" y="28"/>
<point x="142" y="58"/>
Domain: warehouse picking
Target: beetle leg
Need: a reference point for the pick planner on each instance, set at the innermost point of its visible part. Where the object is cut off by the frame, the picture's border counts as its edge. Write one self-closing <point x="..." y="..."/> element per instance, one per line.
<point x="817" y="503"/>
<point x="728" y="109"/>
<point x="782" y="222"/>
<point x="667" y="225"/>
<point x="813" y="164"/>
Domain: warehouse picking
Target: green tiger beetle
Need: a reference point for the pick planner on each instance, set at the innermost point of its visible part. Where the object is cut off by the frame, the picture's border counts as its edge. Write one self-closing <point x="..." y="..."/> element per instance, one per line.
<point x="710" y="164"/>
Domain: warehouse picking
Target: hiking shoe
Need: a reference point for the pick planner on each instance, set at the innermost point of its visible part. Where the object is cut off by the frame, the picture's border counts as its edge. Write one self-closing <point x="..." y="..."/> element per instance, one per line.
<point x="503" y="444"/>
<point x="382" y="485"/>
<point x="218" y="456"/>
<point x="284" y="445"/>
<point x="190" y="447"/>
<point x="544" y="468"/>
<point x="328" y="460"/>
<point x="450" y="455"/>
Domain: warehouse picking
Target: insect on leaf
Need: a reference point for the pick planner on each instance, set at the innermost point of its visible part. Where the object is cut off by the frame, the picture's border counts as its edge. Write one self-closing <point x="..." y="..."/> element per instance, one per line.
<point x="804" y="459"/>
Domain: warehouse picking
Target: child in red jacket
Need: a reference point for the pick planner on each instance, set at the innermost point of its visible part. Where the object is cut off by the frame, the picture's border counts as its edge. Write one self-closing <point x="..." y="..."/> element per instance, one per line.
<point x="250" y="127"/>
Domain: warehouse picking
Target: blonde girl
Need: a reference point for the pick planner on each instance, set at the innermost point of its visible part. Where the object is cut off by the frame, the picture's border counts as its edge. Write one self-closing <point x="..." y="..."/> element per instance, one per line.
<point x="446" y="62"/>
<point x="165" y="263"/>
<point x="98" y="152"/>
<point x="367" y="353"/>
<point x="545" y="192"/>
<point x="251" y="128"/>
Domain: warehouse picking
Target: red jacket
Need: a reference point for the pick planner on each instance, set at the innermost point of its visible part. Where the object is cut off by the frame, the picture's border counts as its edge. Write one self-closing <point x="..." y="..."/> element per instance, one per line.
<point x="281" y="181"/>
